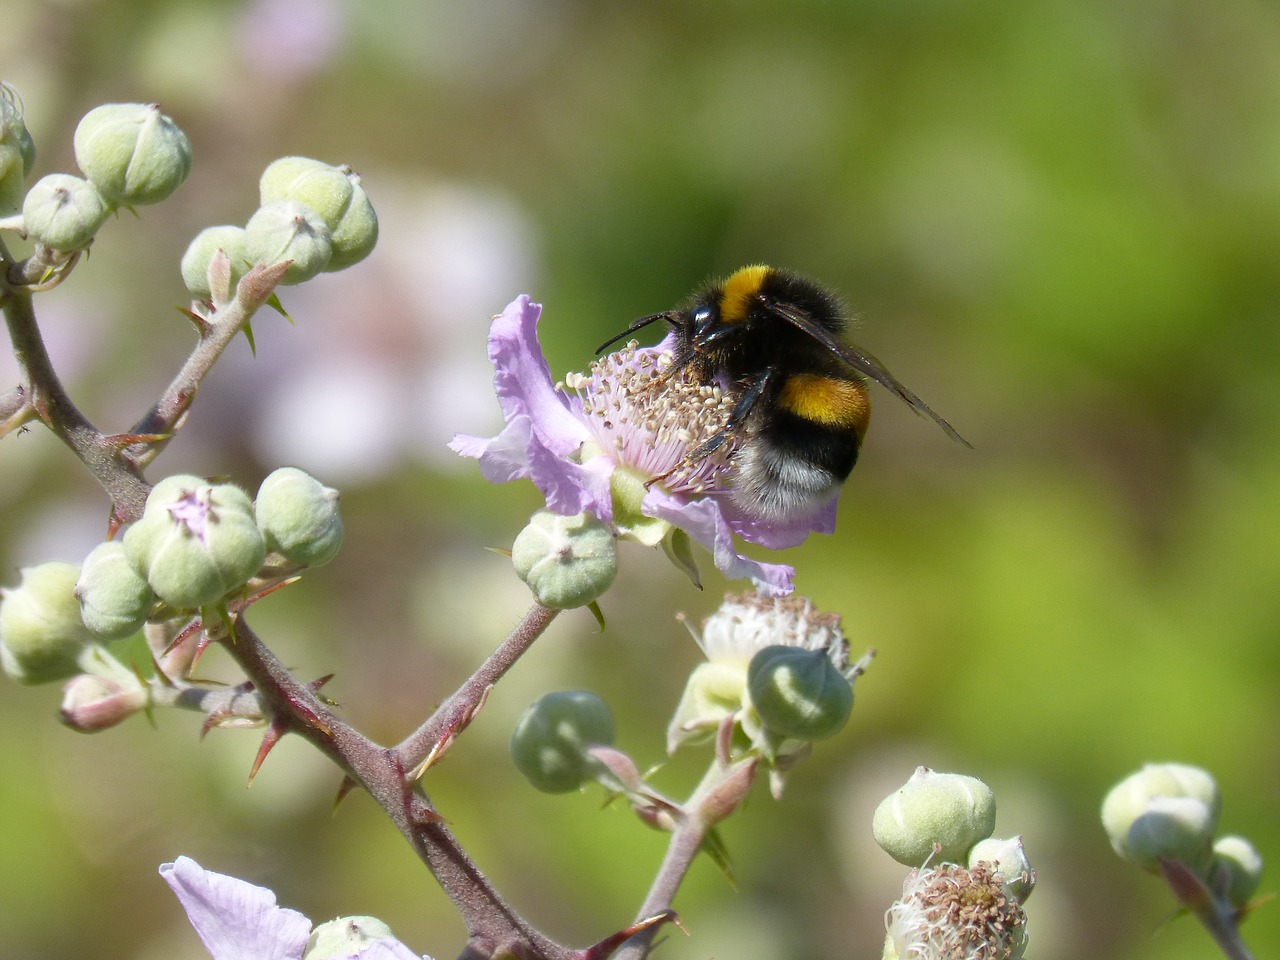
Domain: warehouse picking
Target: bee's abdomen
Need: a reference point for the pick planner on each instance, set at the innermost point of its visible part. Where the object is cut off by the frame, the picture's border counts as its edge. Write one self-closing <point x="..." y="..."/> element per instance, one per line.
<point x="791" y="465"/>
<point x="836" y="403"/>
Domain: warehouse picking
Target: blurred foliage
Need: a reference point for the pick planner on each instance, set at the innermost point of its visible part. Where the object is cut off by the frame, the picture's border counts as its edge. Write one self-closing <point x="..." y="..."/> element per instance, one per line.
<point x="1058" y="221"/>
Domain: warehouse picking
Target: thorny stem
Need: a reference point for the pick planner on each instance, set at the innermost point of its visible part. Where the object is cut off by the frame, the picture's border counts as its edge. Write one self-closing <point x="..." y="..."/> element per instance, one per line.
<point x="41" y="393"/>
<point x="493" y="926"/>
<point x="14" y="410"/>
<point x="690" y="831"/>
<point x="217" y="330"/>
<point x="1212" y="912"/>
<point x="430" y="740"/>
<point x="44" y="394"/>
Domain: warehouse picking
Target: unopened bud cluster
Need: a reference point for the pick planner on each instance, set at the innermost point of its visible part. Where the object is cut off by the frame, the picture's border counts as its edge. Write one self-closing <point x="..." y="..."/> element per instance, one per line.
<point x="130" y="154"/>
<point x="17" y="151"/>
<point x="196" y="546"/>
<point x="964" y="895"/>
<point x="311" y="214"/>
<point x="1170" y="812"/>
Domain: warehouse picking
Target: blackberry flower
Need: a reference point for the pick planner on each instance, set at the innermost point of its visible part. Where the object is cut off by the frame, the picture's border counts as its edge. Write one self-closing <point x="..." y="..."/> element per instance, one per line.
<point x="616" y="443"/>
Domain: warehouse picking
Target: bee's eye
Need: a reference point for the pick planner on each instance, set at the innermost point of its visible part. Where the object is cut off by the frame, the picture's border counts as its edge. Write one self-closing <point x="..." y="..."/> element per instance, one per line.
<point x="702" y="316"/>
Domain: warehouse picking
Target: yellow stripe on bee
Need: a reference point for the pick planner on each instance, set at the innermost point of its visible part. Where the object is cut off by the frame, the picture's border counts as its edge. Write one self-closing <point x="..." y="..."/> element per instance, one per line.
<point x="739" y="290"/>
<point x="843" y="404"/>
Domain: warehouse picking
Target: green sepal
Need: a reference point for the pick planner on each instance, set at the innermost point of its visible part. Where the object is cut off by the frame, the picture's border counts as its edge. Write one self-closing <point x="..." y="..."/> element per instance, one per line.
<point x="247" y="330"/>
<point x="713" y="845"/>
<point x="273" y="301"/>
<point x="679" y="550"/>
<point x="594" y="607"/>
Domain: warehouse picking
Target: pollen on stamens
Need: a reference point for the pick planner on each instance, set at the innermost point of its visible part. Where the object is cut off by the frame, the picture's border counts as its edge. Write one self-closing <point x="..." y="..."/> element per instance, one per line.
<point x="653" y="421"/>
<point x="745" y="624"/>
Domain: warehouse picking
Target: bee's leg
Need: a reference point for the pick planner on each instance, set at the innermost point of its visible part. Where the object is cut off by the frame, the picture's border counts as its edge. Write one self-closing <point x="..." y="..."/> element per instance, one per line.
<point x="741" y="410"/>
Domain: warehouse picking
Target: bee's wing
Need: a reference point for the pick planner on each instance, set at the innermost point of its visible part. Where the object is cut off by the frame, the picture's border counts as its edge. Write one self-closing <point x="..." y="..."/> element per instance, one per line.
<point x="863" y="362"/>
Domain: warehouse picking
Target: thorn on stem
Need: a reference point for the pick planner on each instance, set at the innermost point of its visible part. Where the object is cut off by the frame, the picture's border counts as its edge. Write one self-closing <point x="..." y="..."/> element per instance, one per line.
<point x="608" y="945"/>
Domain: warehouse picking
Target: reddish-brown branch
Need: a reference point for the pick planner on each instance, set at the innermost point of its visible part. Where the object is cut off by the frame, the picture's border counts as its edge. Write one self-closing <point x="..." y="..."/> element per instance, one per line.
<point x="489" y="919"/>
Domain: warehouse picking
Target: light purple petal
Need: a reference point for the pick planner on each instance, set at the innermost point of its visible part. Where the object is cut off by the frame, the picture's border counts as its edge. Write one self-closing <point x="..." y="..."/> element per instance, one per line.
<point x="235" y="919"/>
<point x="704" y="521"/>
<point x="503" y="458"/>
<point x="544" y="429"/>
<point x="571" y="488"/>
<point x="523" y="381"/>
<point x="778" y="535"/>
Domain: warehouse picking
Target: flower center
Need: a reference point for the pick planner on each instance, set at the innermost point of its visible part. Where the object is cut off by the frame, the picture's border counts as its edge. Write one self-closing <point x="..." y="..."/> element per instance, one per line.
<point x="646" y="418"/>
<point x="950" y="912"/>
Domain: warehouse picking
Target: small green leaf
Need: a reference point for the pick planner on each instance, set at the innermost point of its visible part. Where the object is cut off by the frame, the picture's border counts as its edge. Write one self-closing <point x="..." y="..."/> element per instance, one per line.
<point x="679" y="550"/>
<point x="247" y="330"/>
<point x="274" y="303"/>
<point x="713" y="845"/>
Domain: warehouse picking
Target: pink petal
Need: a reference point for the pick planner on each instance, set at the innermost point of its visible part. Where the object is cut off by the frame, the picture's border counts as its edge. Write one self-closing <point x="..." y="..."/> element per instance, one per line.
<point x="705" y="522"/>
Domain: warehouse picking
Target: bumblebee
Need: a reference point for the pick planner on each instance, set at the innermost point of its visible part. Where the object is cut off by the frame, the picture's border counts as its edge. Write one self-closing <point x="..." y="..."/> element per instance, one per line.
<point x="801" y="407"/>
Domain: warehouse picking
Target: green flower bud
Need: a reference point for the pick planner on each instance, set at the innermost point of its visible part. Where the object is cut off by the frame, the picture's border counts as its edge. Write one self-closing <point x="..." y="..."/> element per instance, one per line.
<point x="288" y="230"/>
<point x="114" y="599"/>
<point x="132" y="152"/>
<point x="324" y="188"/>
<point x="200" y="253"/>
<point x="332" y="192"/>
<point x="298" y="517"/>
<point x="1235" y="871"/>
<point x="1130" y="798"/>
<point x="949" y="809"/>
<point x="196" y="541"/>
<point x="344" y="937"/>
<point x="63" y="212"/>
<point x="714" y="692"/>
<point x="799" y="693"/>
<point x="566" y="561"/>
<point x="1010" y="859"/>
<point x="41" y="634"/>
<point x="357" y="232"/>
<point x="17" y="151"/>
<point x="549" y="745"/>
<point x="1171" y="828"/>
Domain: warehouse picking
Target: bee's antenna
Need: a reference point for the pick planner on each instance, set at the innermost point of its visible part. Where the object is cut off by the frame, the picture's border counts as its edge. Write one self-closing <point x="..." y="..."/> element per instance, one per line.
<point x="635" y="325"/>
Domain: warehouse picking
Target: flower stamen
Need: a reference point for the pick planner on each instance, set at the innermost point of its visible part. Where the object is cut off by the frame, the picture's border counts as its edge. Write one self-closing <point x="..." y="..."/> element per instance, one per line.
<point x="652" y="420"/>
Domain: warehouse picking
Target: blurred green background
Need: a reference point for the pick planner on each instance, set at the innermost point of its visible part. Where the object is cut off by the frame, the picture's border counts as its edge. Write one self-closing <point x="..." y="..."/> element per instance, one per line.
<point x="1057" y="221"/>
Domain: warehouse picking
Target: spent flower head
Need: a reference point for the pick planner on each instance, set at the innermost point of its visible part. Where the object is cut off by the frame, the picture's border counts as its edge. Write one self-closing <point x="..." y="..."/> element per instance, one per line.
<point x="752" y="638"/>
<point x="616" y="443"/>
<point x="953" y="913"/>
